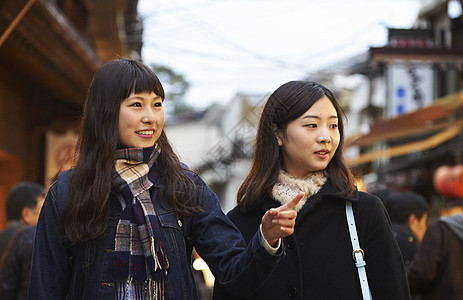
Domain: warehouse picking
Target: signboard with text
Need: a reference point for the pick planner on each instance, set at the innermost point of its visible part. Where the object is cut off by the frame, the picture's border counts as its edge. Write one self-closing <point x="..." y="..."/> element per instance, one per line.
<point x="410" y="87"/>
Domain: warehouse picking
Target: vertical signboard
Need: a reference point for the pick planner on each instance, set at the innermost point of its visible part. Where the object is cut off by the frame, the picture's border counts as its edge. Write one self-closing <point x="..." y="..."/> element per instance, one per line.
<point x="410" y="87"/>
<point x="59" y="153"/>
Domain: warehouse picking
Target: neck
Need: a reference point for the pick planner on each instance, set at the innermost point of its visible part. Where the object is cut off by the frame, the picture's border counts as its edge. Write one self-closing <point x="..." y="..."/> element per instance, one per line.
<point x="301" y="176"/>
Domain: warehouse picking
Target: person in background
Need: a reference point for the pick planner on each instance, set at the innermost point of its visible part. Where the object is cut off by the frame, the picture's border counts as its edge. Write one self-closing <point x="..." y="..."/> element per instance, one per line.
<point x="15" y="264"/>
<point x="299" y="148"/>
<point x="408" y="213"/>
<point x="436" y="270"/>
<point x="122" y="223"/>
<point x="23" y="205"/>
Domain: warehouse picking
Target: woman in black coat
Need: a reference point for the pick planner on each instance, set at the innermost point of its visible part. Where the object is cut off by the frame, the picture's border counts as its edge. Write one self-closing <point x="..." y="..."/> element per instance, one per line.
<point x="299" y="149"/>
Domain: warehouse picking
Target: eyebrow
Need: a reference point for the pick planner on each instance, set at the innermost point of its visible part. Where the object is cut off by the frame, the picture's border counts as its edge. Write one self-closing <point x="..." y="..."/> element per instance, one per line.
<point x="317" y="117"/>
<point x="141" y="98"/>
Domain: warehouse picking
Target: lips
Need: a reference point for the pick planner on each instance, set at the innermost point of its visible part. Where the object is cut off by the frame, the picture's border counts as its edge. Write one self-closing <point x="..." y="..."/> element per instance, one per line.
<point x="322" y="152"/>
<point x="145" y="132"/>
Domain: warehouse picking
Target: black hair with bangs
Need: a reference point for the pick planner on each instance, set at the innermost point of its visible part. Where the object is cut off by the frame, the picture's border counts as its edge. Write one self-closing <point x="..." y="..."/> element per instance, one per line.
<point x="85" y="216"/>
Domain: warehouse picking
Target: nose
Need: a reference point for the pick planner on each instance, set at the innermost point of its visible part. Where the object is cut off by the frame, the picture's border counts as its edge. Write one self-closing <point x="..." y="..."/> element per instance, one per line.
<point x="325" y="140"/>
<point x="148" y="116"/>
<point x="323" y="137"/>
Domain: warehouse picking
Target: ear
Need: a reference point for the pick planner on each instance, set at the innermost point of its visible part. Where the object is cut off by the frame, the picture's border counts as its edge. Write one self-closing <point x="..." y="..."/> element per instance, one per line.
<point x="27" y="215"/>
<point x="278" y="135"/>
<point x="25" y="212"/>
<point x="412" y="220"/>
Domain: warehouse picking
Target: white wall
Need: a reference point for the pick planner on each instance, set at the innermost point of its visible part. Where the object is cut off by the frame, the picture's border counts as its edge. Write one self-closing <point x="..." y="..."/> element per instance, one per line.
<point x="192" y="141"/>
<point x="239" y="172"/>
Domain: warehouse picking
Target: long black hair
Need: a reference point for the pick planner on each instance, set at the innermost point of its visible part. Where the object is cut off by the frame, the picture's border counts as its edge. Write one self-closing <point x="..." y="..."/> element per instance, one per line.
<point x="288" y="103"/>
<point x="89" y="186"/>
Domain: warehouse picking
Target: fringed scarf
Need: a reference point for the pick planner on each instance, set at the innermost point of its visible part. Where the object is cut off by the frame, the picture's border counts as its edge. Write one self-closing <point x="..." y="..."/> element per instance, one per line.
<point x="141" y="261"/>
<point x="287" y="187"/>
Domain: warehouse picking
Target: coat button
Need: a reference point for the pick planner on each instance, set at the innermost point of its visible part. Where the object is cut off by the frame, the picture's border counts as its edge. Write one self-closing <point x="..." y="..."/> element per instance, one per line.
<point x="291" y="243"/>
<point x="292" y="292"/>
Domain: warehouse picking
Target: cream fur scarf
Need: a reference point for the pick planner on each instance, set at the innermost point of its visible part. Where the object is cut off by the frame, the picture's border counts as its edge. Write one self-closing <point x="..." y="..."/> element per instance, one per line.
<point x="287" y="187"/>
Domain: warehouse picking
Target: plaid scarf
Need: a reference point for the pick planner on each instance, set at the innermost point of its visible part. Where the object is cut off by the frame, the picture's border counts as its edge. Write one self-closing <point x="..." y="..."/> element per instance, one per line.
<point x="141" y="261"/>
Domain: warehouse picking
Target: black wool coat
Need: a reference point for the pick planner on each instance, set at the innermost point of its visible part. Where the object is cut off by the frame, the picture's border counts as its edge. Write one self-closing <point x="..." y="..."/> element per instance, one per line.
<point x="318" y="262"/>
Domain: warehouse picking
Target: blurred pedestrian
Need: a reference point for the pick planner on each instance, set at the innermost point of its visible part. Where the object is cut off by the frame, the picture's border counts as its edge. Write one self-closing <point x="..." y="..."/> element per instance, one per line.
<point x="408" y="213"/>
<point x="123" y="222"/>
<point x="23" y="205"/>
<point x="436" y="271"/>
<point x="15" y="265"/>
<point x="299" y="148"/>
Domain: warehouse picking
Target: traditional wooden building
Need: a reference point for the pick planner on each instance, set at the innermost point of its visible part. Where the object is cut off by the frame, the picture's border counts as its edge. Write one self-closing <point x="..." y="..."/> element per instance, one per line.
<point x="419" y="125"/>
<point x="49" y="51"/>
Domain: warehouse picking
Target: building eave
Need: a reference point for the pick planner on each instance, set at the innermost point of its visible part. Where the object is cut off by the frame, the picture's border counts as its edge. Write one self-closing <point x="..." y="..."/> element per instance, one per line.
<point x="47" y="50"/>
<point x="431" y="55"/>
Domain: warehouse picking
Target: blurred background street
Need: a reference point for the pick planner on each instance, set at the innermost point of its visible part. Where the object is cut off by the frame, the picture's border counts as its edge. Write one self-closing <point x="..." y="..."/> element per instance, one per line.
<point x="396" y="67"/>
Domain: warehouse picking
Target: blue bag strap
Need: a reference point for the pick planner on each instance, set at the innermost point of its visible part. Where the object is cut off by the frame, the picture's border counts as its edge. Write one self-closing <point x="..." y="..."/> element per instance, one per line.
<point x="357" y="254"/>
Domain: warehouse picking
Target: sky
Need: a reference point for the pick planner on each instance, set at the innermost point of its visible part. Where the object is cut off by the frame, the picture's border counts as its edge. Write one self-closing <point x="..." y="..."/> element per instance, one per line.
<point x="225" y="47"/>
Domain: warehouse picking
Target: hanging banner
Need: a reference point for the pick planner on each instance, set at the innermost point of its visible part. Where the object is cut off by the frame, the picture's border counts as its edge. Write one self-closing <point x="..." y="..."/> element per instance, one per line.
<point x="410" y="87"/>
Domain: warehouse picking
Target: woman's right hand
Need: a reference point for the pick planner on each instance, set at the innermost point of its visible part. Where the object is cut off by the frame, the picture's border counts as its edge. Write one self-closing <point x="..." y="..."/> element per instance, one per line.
<point x="279" y="222"/>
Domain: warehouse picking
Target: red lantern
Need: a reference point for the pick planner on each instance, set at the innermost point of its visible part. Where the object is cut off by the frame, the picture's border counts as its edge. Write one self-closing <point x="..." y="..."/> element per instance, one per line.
<point x="442" y="182"/>
<point x="448" y="181"/>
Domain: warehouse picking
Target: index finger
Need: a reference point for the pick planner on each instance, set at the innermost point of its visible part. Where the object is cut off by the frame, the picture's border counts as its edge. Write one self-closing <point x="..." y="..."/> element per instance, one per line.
<point x="291" y="204"/>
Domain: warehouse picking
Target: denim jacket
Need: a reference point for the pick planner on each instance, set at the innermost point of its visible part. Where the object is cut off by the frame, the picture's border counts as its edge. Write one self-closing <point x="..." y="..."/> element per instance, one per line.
<point x="86" y="271"/>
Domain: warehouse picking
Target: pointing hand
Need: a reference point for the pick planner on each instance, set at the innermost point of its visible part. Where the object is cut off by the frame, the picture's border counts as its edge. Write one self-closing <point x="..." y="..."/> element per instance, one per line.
<point x="279" y="222"/>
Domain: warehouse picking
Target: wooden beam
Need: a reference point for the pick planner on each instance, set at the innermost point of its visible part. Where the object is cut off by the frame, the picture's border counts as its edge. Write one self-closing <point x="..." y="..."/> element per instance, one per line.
<point x="425" y="144"/>
<point x="15" y="21"/>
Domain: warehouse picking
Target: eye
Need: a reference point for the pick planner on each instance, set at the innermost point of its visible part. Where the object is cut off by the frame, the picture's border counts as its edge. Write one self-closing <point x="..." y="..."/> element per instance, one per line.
<point x="312" y="125"/>
<point x="136" y="104"/>
<point x="334" y="126"/>
<point x="158" y="104"/>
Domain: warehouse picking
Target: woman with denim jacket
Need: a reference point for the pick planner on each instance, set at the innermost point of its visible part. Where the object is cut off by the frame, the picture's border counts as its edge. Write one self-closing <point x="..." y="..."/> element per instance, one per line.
<point x="123" y="222"/>
<point x="299" y="148"/>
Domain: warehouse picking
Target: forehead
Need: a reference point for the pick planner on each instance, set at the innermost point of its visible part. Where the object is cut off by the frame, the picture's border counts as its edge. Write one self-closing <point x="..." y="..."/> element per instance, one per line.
<point x="321" y="107"/>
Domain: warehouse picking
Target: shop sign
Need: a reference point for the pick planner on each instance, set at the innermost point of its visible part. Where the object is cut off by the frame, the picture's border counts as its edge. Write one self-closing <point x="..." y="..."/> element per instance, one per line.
<point x="410" y="87"/>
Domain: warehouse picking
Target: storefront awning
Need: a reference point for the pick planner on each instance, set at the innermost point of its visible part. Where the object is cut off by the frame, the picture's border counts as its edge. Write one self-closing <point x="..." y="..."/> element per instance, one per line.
<point x="437" y="124"/>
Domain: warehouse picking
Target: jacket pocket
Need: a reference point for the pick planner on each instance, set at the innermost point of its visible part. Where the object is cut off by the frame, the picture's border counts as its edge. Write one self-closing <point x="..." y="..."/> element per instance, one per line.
<point x="171" y="227"/>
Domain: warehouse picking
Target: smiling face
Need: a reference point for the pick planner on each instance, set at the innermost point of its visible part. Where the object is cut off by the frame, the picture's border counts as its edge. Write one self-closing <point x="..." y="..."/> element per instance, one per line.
<point x="310" y="141"/>
<point x="141" y="118"/>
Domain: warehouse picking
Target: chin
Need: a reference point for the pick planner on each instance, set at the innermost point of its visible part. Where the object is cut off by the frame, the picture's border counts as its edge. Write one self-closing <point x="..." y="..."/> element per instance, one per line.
<point x="145" y="146"/>
<point x="319" y="168"/>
